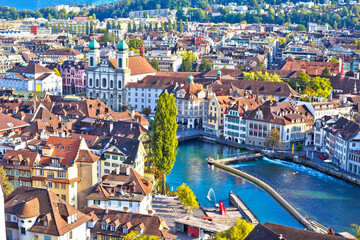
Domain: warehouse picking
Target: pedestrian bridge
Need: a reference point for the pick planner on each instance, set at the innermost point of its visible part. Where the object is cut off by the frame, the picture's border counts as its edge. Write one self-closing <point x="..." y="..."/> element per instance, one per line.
<point x="239" y="158"/>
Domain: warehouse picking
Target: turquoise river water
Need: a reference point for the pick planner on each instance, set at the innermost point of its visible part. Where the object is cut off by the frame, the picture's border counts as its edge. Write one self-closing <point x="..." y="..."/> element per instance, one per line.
<point x="330" y="201"/>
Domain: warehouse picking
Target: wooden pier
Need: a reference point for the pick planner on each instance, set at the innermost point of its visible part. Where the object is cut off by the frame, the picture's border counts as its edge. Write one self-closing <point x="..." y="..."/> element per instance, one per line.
<point x="240" y="158"/>
<point x="245" y="211"/>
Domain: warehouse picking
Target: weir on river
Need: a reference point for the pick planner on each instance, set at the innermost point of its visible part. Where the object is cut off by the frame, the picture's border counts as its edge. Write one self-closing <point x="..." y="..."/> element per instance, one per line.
<point x="314" y="194"/>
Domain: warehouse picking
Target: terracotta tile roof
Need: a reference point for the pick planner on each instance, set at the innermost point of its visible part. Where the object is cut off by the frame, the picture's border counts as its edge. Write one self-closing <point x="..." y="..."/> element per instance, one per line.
<point x="51" y="209"/>
<point x="25" y="157"/>
<point x="32" y="68"/>
<point x="69" y="52"/>
<point x="162" y="82"/>
<point x="151" y="225"/>
<point x="87" y="108"/>
<point x="263" y="88"/>
<point x="89" y="139"/>
<point x="311" y="68"/>
<point x="8" y="123"/>
<point x="281" y="113"/>
<point x="133" y="183"/>
<point x="128" y="116"/>
<point x="138" y="65"/>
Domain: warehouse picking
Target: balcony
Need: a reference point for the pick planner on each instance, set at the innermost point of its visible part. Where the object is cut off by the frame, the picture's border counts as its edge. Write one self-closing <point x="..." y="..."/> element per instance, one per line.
<point x="210" y="126"/>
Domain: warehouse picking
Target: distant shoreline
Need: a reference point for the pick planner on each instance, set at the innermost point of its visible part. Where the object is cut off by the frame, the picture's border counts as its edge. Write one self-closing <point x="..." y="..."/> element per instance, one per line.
<point x="40" y="4"/>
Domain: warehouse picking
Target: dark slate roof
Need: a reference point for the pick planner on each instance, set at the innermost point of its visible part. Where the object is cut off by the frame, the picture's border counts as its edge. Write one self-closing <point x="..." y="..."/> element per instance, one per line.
<point x="290" y="233"/>
<point x="260" y="232"/>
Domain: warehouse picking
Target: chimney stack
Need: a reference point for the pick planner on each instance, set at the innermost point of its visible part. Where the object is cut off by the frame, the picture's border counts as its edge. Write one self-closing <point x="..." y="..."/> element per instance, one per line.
<point x="142" y="50"/>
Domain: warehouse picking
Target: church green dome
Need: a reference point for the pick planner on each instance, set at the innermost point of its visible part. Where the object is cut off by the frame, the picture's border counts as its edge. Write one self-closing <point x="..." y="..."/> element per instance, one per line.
<point x="122" y="46"/>
<point x="94" y="45"/>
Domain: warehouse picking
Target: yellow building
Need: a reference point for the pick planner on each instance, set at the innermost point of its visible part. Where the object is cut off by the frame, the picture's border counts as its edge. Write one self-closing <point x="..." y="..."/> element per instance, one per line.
<point x="67" y="168"/>
<point x="214" y="110"/>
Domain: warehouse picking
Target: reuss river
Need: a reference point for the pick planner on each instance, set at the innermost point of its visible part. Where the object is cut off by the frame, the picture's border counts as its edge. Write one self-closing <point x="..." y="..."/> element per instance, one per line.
<point x="330" y="201"/>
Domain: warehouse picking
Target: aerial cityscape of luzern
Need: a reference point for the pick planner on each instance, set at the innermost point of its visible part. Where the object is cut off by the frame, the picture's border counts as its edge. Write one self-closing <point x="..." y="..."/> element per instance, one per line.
<point x="179" y="119"/>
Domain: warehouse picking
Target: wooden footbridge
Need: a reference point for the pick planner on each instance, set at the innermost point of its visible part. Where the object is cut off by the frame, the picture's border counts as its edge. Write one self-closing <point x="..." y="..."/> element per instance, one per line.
<point x="239" y="158"/>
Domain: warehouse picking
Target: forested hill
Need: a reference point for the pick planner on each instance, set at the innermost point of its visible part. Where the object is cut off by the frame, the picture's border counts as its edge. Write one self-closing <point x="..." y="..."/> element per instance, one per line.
<point x="201" y="11"/>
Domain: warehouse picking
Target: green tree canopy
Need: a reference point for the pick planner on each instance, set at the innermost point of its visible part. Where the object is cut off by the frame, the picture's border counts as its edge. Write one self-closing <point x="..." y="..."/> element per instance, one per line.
<point x="187" y="197"/>
<point x="135" y="43"/>
<point x="319" y="86"/>
<point x="300" y="82"/>
<point x="273" y="139"/>
<point x="5" y="181"/>
<point x="326" y="72"/>
<point x="301" y="28"/>
<point x="259" y="76"/>
<point x="299" y="148"/>
<point x="238" y="232"/>
<point x="155" y="64"/>
<point x="205" y="65"/>
<point x="334" y="60"/>
<point x="164" y="141"/>
<point x="146" y="111"/>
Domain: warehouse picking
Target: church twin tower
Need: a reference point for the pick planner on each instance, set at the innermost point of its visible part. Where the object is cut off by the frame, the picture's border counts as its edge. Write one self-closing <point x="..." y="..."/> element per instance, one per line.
<point x="106" y="79"/>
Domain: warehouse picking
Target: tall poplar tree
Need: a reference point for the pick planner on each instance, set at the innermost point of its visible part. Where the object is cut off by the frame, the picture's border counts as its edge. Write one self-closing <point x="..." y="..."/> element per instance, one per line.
<point x="164" y="141"/>
<point x="181" y="25"/>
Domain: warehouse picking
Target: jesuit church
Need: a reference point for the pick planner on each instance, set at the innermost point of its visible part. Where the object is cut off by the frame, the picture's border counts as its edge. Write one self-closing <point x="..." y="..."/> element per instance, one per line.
<point x="107" y="78"/>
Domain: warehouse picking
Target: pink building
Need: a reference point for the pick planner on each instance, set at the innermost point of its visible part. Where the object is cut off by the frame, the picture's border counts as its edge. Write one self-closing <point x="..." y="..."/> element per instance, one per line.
<point x="74" y="77"/>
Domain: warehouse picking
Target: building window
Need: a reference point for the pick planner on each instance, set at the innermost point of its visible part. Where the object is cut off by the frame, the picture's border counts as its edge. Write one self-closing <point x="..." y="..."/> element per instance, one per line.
<point x="120" y="63"/>
<point x="97" y="82"/>
<point x="96" y="202"/>
<point x="22" y="230"/>
<point x="91" y="61"/>
<point x="111" y="84"/>
<point x="63" y="186"/>
<point x="63" y="197"/>
<point x="104" y="82"/>
<point x="61" y="174"/>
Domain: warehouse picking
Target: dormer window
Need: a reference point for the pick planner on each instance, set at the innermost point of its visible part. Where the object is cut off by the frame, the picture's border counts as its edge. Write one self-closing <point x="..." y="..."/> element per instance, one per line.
<point x="112" y="228"/>
<point x="103" y="226"/>
<point x="125" y="230"/>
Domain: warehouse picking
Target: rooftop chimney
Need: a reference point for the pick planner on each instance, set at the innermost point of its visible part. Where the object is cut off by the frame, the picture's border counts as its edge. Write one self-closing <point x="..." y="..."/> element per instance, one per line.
<point x="142" y="50"/>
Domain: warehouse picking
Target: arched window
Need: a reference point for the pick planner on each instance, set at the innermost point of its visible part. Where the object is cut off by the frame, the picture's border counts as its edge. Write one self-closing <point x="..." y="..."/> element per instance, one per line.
<point x="120" y="63"/>
<point x="119" y="84"/>
<point x="104" y="82"/>
<point x="90" y="82"/>
<point x="91" y="95"/>
<point x="97" y="82"/>
<point x="111" y="84"/>
<point x="91" y="61"/>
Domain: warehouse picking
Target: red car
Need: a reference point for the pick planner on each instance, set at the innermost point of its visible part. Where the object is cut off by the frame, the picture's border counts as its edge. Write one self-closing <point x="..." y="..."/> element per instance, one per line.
<point x="322" y="156"/>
